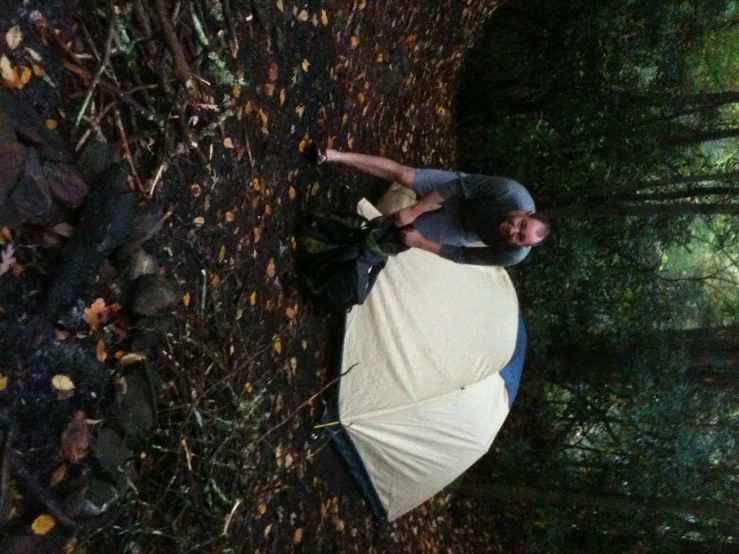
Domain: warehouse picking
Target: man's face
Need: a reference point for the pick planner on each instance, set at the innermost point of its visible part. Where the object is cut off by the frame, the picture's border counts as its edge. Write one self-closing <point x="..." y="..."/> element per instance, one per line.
<point x="520" y="230"/>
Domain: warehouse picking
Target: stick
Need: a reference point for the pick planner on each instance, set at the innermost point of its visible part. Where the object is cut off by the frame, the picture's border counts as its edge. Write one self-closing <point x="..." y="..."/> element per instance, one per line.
<point x="304" y="404"/>
<point x="181" y="68"/>
<point x="127" y="152"/>
<point x="101" y="66"/>
<point x="40" y="494"/>
<point x="231" y="27"/>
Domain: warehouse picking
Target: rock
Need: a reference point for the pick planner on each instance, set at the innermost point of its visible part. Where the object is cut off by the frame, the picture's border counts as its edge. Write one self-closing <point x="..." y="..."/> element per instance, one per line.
<point x="30" y="198"/>
<point x="153" y="295"/>
<point x="141" y="263"/>
<point x="147" y="222"/>
<point x="12" y="158"/>
<point x="65" y="183"/>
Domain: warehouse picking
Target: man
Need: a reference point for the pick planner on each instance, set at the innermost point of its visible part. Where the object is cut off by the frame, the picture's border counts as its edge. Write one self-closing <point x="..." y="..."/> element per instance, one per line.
<point x="455" y="212"/>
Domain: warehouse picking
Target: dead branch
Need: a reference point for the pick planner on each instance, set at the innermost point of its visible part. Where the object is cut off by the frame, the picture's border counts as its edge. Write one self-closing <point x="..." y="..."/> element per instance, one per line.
<point x="304" y="404"/>
<point x="127" y="152"/>
<point x="181" y="68"/>
<point x="103" y="63"/>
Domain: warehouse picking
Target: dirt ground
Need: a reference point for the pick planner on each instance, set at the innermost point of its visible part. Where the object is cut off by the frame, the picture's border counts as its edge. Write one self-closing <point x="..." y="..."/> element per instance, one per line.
<point x="235" y="464"/>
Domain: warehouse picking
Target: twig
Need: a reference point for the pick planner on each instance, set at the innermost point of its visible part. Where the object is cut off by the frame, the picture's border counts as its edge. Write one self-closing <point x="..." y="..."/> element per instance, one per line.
<point x="94" y="124"/>
<point x="101" y="66"/>
<point x="158" y="176"/>
<point x="233" y="39"/>
<point x="304" y="404"/>
<point x="40" y="494"/>
<point x="181" y="68"/>
<point x="127" y="152"/>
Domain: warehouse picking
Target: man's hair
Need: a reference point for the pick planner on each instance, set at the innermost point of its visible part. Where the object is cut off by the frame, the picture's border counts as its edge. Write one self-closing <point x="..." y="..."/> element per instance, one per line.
<point x="546" y="228"/>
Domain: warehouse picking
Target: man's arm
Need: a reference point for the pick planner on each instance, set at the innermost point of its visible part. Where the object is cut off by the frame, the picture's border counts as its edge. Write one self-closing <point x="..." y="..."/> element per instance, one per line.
<point x="470" y="255"/>
<point x="408" y="215"/>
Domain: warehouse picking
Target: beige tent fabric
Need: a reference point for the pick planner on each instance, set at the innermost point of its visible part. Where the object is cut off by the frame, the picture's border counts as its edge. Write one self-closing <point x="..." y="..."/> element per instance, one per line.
<point x="424" y="399"/>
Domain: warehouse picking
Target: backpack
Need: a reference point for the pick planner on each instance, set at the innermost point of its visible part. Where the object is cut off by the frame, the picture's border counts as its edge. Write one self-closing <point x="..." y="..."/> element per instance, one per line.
<point x="340" y="255"/>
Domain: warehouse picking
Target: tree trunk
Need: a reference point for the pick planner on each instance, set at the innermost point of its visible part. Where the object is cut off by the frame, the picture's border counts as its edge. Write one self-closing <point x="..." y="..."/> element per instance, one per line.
<point x="618" y="502"/>
<point x="642" y="210"/>
<point x="700" y="137"/>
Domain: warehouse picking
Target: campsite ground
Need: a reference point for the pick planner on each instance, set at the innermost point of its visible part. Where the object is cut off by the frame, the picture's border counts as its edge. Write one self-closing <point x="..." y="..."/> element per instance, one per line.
<point x="234" y="465"/>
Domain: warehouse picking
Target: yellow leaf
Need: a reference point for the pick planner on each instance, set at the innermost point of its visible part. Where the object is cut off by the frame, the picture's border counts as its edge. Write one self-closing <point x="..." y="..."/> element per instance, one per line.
<point x="222" y="253"/>
<point x="3" y="382"/>
<point x="8" y="73"/>
<point x="262" y="509"/>
<point x="14" y="37"/>
<point x="298" y="537"/>
<point x="51" y="124"/>
<point x="276" y="344"/>
<point x="355" y="42"/>
<point x="291" y="193"/>
<point x="132" y="358"/>
<point x="256" y="185"/>
<point x="101" y="353"/>
<point x="43" y="524"/>
<point x="58" y="476"/>
<point x="253" y="298"/>
<point x="324" y="17"/>
<point x="186" y="299"/>
<point x="306" y="65"/>
<point x="274" y="71"/>
<point x="25" y="76"/>
<point x="293" y="243"/>
<point x="282" y="97"/>
<point x="227" y="143"/>
<point x="229" y="217"/>
<point x="350" y="143"/>
<point x="237" y="91"/>
<point x="198" y="221"/>
<point x="301" y="147"/>
<point x="303" y="16"/>
<point x="263" y="116"/>
<point x="290" y="313"/>
<point x="271" y="268"/>
<point x="299" y="110"/>
<point x="37" y="70"/>
<point x="62" y="383"/>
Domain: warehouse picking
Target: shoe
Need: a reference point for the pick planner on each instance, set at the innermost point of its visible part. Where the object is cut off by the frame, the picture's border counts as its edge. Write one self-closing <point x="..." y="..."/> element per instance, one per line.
<point x="314" y="155"/>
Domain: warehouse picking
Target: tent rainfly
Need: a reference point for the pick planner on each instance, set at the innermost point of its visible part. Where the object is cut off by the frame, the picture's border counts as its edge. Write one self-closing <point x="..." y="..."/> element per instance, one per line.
<point x="435" y="354"/>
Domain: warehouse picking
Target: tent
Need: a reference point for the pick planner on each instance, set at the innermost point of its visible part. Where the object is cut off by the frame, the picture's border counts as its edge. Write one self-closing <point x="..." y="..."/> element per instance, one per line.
<point x="434" y="358"/>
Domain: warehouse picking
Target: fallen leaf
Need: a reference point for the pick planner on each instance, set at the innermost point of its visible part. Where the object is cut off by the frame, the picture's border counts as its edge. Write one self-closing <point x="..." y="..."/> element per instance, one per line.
<point x="43" y="524"/>
<point x="253" y="298"/>
<point x="271" y="268"/>
<point x="355" y="42"/>
<point x="290" y="313"/>
<point x="229" y="217"/>
<point x="94" y="313"/>
<point x="8" y="73"/>
<point x="195" y="190"/>
<point x="14" y="37"/>
<point x="215" y="280"/>
<point x="3" y="382"/>
<point x="227" y="143"/>
<point x="62" y="383"/>
<point x="255" y="184"/>
<point x="263" y="116"/>
<point x="303" y="16"/>
<point x="299" y="110"/>
<point x="350" y="143"/>
<point x="222" y="253"/>
<point x="61" y="335"/>
<point x="25" y="76"/>
<point x="304" y="344"/>
<point x="186" y="299"/>
<point x="291" y="193"/>
<point x="324" y="17"/>
<point x="58" y="476"/>
<point x="237" y="91"/>
<point x="37" y="70"/>
<point x="101" y="353"/>
<point x="262" y="509"/>
<point x="132" y="358"/>
<point x="267" y="530"/>
<point x="305" y="65"/>
<point x="76" y="438"/>
<point x="198" y="221"/>
<point x="257" y="234"/>
<point x="298" y="537"/>
<point x="280" y="6"/>
<point x="282" y="97"/>
<point x="302" y="145"/>
<point x="276" y="344"/>
<point x="274" y="71"/>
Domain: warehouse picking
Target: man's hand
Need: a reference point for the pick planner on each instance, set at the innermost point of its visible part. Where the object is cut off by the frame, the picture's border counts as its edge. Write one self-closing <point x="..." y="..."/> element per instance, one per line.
<point x="413" y="239"/>
<point x="406" y="216"/>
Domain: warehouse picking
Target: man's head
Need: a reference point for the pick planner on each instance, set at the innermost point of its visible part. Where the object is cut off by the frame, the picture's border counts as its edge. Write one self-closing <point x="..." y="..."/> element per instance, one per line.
<point x="525" y="228"/>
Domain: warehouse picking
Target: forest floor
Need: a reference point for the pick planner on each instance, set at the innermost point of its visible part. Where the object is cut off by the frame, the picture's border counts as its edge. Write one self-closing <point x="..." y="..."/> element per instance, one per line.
<point x="234" y="464"/>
